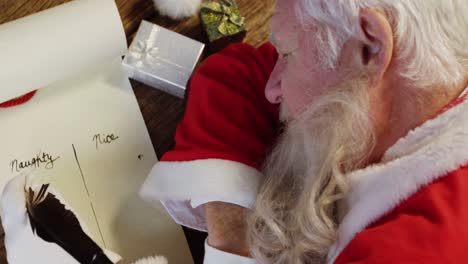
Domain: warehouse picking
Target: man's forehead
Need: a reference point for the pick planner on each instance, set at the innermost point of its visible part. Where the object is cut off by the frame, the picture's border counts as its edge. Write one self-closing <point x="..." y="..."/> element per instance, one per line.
<point x="284" y="7"/>
<point x="285" y="13"/>
<point x="285" y="26"/>
<point x="284" y="39"/>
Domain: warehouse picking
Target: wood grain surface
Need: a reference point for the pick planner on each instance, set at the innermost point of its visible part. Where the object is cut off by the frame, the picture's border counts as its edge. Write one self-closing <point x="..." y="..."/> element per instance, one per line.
<point x="161" y="111"/>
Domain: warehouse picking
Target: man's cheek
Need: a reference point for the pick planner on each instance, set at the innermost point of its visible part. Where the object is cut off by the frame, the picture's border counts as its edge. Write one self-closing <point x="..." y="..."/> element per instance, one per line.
<point x="295" y="102"/>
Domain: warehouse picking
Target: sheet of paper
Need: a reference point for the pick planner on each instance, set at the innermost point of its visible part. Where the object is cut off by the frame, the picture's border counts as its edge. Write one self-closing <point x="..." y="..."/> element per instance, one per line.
<point x="57" y="43"/>
<point x="85" y="134"/>
<point x="87" y="137"/>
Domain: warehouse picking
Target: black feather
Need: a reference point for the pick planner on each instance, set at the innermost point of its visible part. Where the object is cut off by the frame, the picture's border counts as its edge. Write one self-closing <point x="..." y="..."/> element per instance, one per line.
<point x="52" y="222"/>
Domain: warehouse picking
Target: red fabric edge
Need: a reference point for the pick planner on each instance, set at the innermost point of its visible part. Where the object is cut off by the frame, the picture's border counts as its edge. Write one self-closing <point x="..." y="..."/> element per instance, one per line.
<point x="18" y="101"/>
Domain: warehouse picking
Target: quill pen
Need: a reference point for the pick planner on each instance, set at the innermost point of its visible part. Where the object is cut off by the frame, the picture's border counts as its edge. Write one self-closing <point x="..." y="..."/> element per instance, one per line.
<point x="52" y="222"/>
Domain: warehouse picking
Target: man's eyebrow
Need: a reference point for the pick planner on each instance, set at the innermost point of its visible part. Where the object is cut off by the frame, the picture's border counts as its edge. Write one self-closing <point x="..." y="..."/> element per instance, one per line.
<point x="274" y="41"/>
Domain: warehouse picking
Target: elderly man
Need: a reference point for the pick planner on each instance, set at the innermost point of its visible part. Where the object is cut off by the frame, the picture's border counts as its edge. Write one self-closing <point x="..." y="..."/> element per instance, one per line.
<point x="372" y="165"/>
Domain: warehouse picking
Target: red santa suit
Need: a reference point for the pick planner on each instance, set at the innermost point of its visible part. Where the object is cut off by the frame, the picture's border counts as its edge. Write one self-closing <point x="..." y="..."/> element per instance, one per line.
<point x="413" y="206"/>
<point x="410" y="208"/>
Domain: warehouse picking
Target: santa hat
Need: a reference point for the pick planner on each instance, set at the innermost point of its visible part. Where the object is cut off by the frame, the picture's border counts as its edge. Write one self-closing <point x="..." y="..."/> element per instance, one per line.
<point x="178" y="9"/>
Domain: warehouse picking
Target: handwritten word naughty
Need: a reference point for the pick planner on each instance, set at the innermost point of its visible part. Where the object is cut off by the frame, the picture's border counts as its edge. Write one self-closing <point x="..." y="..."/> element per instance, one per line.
<point x="42" y="159"/>
<point x="101" y="139"/>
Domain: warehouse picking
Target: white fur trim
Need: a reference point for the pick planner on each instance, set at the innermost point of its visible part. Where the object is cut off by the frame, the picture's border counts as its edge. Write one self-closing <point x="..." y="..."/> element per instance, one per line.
<point x="216" y="256"/>
<point x="152" y="260"/>
<point x="184" y="186"/>
<point x="427" y="153"/>
<point x="178" y="9"/>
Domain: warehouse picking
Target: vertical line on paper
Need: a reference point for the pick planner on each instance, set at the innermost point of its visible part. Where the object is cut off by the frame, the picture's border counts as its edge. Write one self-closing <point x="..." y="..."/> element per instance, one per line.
<point x="89" y="196"/>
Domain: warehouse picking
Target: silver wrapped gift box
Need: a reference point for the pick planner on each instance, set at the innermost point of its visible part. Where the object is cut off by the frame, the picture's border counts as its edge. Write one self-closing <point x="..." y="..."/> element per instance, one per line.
<point x="162" y="58"/>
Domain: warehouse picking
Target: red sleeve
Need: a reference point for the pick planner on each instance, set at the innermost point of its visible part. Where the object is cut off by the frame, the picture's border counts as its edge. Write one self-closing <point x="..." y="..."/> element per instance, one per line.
<point x="227" y="115"/>
<point x="430" y="227"/>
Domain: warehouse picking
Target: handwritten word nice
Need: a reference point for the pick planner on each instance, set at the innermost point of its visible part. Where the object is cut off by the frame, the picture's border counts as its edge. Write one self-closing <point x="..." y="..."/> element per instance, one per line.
<point x="41" y="159"/>
<point x="101" y="139"/>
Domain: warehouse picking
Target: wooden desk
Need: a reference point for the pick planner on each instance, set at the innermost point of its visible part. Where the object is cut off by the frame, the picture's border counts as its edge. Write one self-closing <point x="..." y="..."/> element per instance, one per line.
<point x="161" y="111"/>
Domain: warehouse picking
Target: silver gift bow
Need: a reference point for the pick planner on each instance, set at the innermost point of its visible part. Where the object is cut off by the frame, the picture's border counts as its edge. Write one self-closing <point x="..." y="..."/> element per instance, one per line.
<point x="147" y="52"/>
<point x="144" y="51"/>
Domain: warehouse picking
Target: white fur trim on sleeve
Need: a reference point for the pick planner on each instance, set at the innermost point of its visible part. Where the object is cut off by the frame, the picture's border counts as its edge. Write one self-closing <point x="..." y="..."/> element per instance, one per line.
<point x="184" y="186"/>
<point x="427" y="153"/>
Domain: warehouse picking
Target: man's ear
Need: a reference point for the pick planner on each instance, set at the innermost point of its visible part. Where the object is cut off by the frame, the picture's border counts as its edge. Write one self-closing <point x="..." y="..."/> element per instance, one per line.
<point x="376" y="42"/>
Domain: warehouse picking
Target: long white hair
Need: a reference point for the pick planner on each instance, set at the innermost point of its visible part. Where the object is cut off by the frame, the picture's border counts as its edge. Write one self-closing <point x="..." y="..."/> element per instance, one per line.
<point x="294" y="219"/>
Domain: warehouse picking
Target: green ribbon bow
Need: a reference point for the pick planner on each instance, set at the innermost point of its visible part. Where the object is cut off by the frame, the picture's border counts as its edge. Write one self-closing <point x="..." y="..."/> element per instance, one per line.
<point x="226" y="14"/>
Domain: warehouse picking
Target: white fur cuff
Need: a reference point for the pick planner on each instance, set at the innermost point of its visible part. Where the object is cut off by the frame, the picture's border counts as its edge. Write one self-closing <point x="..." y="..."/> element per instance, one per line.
<point x="184" y="186"/>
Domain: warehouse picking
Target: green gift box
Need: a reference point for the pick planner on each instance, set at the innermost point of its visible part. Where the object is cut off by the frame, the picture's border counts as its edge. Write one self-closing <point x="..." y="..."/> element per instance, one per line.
<point x="222" y="22"/>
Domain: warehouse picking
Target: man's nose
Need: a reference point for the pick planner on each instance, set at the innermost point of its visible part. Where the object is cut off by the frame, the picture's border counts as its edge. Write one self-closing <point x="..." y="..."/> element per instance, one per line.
<point x="273" y="91"/>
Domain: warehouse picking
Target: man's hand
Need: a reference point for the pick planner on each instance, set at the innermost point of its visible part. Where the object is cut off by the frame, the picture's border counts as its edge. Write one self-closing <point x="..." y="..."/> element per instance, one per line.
<point x="227" y="227"/>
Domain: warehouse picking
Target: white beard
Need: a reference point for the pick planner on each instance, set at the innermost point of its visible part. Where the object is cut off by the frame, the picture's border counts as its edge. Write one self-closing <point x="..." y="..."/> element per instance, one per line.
<point x="294" y="218"/>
